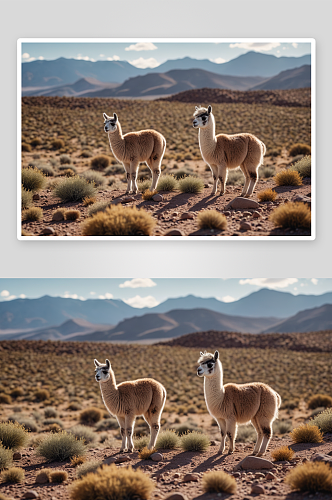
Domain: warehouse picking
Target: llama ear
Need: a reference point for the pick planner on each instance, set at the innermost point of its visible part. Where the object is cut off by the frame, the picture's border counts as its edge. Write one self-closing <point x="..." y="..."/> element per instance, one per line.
<point x="108" y="364"/>
<point x="97" y="364"/>
<point x="196" y="107"/>
<point x="115" y="116"/>
<point x="105" y="117"/>
<point x="216" y="355"/>
<point x="209" y="109"/>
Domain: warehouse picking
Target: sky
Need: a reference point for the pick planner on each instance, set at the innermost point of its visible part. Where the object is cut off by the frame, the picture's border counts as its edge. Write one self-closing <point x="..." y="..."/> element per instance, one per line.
<point x="149" y="292"/>
<point x="152" y="54"/>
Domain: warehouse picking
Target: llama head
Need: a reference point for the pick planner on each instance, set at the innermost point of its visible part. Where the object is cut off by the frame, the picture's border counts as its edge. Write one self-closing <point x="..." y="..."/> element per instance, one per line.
<point x="110" y="123"/>
<point x="202" y="117"/>
<point x="207" y="364"/>
<point x="102" y="372"/>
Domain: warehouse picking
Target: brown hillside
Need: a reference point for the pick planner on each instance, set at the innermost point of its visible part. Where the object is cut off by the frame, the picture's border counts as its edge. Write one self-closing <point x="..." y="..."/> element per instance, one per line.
<point x="288" y="98"/>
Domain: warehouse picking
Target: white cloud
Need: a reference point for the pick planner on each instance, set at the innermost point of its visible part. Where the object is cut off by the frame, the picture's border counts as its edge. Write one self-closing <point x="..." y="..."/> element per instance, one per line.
<point x="257" y="46"/>
<point x="218" y="60"/>
<point x="269" y="282"/>
<point x="106" y="295"/>
<point x="138" y="283"/>
<point x="26" y="57"/>
<point x="11" y="297"/>
<point x="145" y="63"/>
<point x="92" y="293"/>
<point x="79" y="57"/>
<point x="4" y="293"/>
<point x="68" y="295"/>
<point x="295" y="45"/>
<point x="101" y="55"/>
<point x="22" y="296"/>
<point x="140" y="302"/>
<point x="41" y="58"/>
<point x="314" y="281"/>
<point x="114" y="58"/>
<point x="141" y="46"/>
<point x="227" y="298"/>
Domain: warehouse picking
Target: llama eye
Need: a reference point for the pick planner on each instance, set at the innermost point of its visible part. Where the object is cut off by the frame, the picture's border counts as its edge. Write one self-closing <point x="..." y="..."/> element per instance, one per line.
<point x="210" y="365"/>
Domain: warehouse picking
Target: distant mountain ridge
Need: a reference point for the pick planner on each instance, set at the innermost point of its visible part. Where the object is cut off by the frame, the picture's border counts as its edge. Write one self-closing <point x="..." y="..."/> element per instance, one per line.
<point x="297" y="78"/>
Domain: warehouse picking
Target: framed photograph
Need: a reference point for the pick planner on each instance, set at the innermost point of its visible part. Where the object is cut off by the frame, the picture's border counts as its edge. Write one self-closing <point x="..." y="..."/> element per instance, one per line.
<point x="203" y="139"/>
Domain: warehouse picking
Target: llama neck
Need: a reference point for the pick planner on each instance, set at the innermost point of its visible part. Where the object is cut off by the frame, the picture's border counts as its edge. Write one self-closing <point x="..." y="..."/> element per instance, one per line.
<point x="207" y="138"/>
<point x="117" y="142"/>
<point x="213" y="387"/>
<point x="110" y="393"/>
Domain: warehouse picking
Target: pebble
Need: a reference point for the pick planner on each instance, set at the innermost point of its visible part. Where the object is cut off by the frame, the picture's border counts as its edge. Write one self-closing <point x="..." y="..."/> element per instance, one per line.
<point x="176" y="496"/>
<point x="227" y="213"/>
<point x="190" y="477"/>
<point x="158" y="197"/>
<point x="47" y="231"/>
<point x="270" y="476"/>
<point x="240" y="203"/>
<point x="253" y="463"/>
<point x="258" y="489"/>
<point x="259" y="475"/>
<point x="156" y="457"/>
<point x="36" y="197"/>
<point x="117" y="201"/>
<point x="17" y="455"/>
<point x="30" y="494"/>
<point x="187" y="215"/>
<point x="109" y="460"/>
<point x="128" y="199"/>
<point x="321" y="457"/>
<point x="42" y="478"/>
<point x="122" y="458"/>
<point x="58" y="216"/>
<point x="256" y="215"/>
<point x="174" y="232"/>
<point x="247" y="214"/>
<point x="245" y="226"/>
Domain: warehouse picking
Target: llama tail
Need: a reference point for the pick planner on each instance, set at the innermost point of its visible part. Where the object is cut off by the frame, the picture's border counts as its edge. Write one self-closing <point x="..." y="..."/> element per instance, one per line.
<point x="263" y="151"/>
<point x="278" y="404"/>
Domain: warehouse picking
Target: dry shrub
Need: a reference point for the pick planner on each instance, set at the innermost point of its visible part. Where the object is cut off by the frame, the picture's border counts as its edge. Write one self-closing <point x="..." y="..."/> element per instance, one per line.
<point x="299" y="149"/>
<point x="26" y="147"/>
<point x="83" y="432"/>
<point x="323" y="421"/>
<point x="32" y="214"/>
<point x="319" y="400"/>
<point x="168" y="440"/>
<point x="120" y="221"/>
<point x="77" y="460"/>
<point x="59" y="214"/>
<point x="43" y="476"/>
<point x="303" y="166"/>
<point x="94" y="177"/>
<point x="306" y="433"/>
<point x="58" y="476"/>
<point x="282" y="453"/>
<point x="5" y="399"/>
<point x="288" y="178"/>
<point x="89" y="200"/>
<point x="13" y="475"/>
<point x="100" y="162"/>
<point x="292" y="215"/>
<point x="6" y="457"/>
<point x="46" y="169"/>
<point x="99" y="206"/>
<point x="33" y="179"/>
<point x="61" y="446"/>
<point x="41" y="395"/>
<point x="195" y="441"/>
<point x="311" y="476"/>
<point x="145" y="453"/>
<point x="4" y="497"/>
<point x="13" y="435"/>
<point x="65" y="168"/>
<point x="72" y="214"/>
<point x="219" y="482"/>
<point x="17" y="392"/>
<point x="267" y="195"/>
<point x="141" y="442"/>
<point x="91" y="416"/>
<point x="235" y="177"/>
<point x="57" y="144"/>
<point x="88" y="467"/>
<point x="74" y="189"/>
<point x="148" y="195"/>
<point x="167" y="183"/>
<point x="68" y="172"/>
<point x="266" y="172"/>
<point x="26" y="198"/>
<point x="143" y="186"/>
<point x="36" y="142"/>
<point x="191" y="184"/>
<point x="112" y="483"/>
<point x="211" y="219"/>
<point x="65" y="160"/>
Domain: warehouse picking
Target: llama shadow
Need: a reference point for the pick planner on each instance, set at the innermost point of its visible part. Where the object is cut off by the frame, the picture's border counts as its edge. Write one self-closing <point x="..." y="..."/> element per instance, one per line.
<point x="205" y="202"/>
<point x="176" y="201"/>
<point x="211" y="462"/>
<point x="211" y="496"/>
<point x="304" y="446"/>
<point x="286" y="189"/>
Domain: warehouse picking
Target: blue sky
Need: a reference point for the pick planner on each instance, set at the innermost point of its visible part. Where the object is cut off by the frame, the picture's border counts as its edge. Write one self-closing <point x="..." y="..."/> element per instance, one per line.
<point x="148" y="292"/>
<point x="152" y="54"/>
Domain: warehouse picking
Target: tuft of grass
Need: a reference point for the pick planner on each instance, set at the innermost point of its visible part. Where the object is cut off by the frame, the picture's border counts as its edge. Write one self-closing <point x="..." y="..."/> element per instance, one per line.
<point x="323" y="421"/>
<point x="41" y="475"/>
<point x="246" y="434"/>
<point x="59" y="214"/>
<point x="191" y="184"/>
<point x="32" y="214"/>
<point x="77" y="460"/>
<point x="235" y="177"/>
<point x="120" y="221"/>
<point x="4" y="497"/>
<point x="58" y="476"/>
<point x="211" y="219"/>
<point x="145" y="453"/>
<point x="72" y="214"/>
<point x="195" y="441"/>
<point x="50" y="412"/>
<point x="168" y="440"/>
<point x="143" y="186"/>
<point x="306" y="433"/>
<point x="107" y="424"/>
<point x="5" y="399"/>
<point x="94" y="177"/>
<point x="36" y="142"/>
<point x="64" y="168"/>
<point x="148" y="195"/>
<point x="219" y="482"/>
<point x="141" y="442"/>
<point x="87" y="467"/>
<point x="266" y="172"/>
<point x="6" y="457"/>
<point x="65" y="160"/>
<point x="26" y="198"/>
<point x="319" y="400"/>
<point x="311" y="476"/>
<point x="16" y="393"/>
<point x="89" y="200"/>
<point x="167" y="183"/>
<point x="51" y="421"/>
<point x="100" y="162"/>
<point x="46" y="169"/>
<point x="303" y="166"/>
<point x="267" y="195"/>
<point x="282" y="426"/>
<point x="74" y="406"/>
<point x="100" y="206"/>
<point x="288" y="177"/>
<point x="74" y="189"/>
<point x="61" y="446"/>
<point x="90" y="416"/>
<point x="41" y="395"/>
<point x="299" y="149"/>
<point x="118" y="168"/>
<point x="28" y="423"/>
<point x="57" y="144"/>
<point x="282" y="453"/>
<point x="26" y="147"/>
<point x="292" y="215"/>
<point x="13" y="475"/>
<point x="182" y="173"/>
<point x="33" y="179"/>
<point x="112" y="483"/>
<point x="83" y="432"/>
<point x="13" y="435"/>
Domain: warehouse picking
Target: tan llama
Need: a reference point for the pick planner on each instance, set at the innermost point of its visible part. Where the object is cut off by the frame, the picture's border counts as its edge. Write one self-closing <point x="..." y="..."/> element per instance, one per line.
<point x="224" y="152"/>
<point x="134" y="148"/>
<point x="129" y="400"/>
<point x="234" y="404"/>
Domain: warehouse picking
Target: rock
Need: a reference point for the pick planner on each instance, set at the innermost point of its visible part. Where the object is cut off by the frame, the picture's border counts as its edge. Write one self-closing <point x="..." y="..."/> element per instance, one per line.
<point x="258" y="489"/>
<point x="157" y="197"/>
<point x="175" y="214"/>
<point x="247" y="214"/>
<point x="30" y="494"/>
<point x="127" y="199"/>
<point x="321" y="457"/>
<point x="36" y="197"/>
<point x="236" y="474"/>
<point x="156" y="457"/>
<point x="58" y="216"/>
<point x="207" y="185"/>
<point x="227" y="213"/>
<point x="42" y="478"/>
<point x="245" y="226"/>
<point x="189" y="478"/>
<point x="109" y="460"/>
<point x="253" y="463"/>
<point x="256" y="215"/>
<point x="176" y="475"/>
<point x="303" y="199"/>
<point x="116" y="201"/>
<point x="259" y="475"/>
<point x="270" y="476"/>
<point x="213" y="443"/>
<point x="176" y="496"/>
<point x="174" y="232"/>
<point x="17" y="455"/>
<point x="122" y="458"/>
<point x="241" y="203"/>
<point x="47" y="231"/>
<point x="187" y="215"/>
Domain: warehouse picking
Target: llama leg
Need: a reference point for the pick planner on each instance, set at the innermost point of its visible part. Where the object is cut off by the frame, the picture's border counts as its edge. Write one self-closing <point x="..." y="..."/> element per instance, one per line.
<point x="121" y="421"/>
<point x="222" y="176"/>
<point x="231" y="430"/>
<point x="214" y="170"/>
<point x="247" y="180"/>
<point x="155" y="176"/>
<point x="129" y="426"/>
<point x="133" y="175"/>
<point x="127" y="167"/>
<point x="222" y="428"/>
<point x="153" y="422"/>
<point x="260" y="436"/>
<point x="267" y="434"/>
<point x="253" y="181"/>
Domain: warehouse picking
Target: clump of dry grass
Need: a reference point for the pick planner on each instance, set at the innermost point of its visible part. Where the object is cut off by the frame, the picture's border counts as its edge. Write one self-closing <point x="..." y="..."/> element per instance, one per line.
<point x="88" y="467"/>
<point x="292" y="215"/>
<point x="282" y="453"/>
<point x="6" y="457"/>
<point x="168" y="440"/>
<point x="311" y="476"/>
<point x="90" y="416"/>
<point x="141" y="442"/>
<point x="112" y="483"/>
<point x="145" y="453"/>
<point x="89" y="200"/>
<point x="74" y="189"/>
<point x="319" y="400"/>
<point x="65" y="160"/>
<point x="120" y="221"/>
<point x="148" y="195"/>
<point x="32" y="214"/>
<point x="167" y="183"/>
<point x="57" y="144"/>
<point x="42" y="395"/>
<point x="100" y="162"/>
<point x="77" y="460"/>
<point x="94" y="177"/>
<point x="33" y="179"/>
<point x="61" y="446"/>
<point x="72" y="214"/>
<point x="58" y="476"/>
<point x="5" y="398"/>
<point x="26" y="147"/>
<point x="303" y="166"/>
<point x="191" y="184"/>
<point x="267" y="195"/>
<point x="59" y="214"/>
<point x="219" y="482"/>
<point x="299" y="149"/>
<point x="288" y="178"/>
<point x="43" y="476"/>
<point x="195" y="441"/>
<point x="211" y="219"/>
<point x="26" y="198"/>
<point x="143" y="186"/>
<point x="323" y="421"/>
<point x="13" y="475"/>
<point x="99" y="206"/>
<point x="306" y="433"/>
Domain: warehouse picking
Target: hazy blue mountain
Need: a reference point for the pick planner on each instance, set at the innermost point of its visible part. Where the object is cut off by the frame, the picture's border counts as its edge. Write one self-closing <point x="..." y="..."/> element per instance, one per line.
<point x="77" y="89"/>
<point x="67" y="331"/>
<point x="297" y="78"/>
<point x="310" y="320"/>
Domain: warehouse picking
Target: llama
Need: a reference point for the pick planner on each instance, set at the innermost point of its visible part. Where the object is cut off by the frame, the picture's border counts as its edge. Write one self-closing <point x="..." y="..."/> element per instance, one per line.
<point x="134" y="148"/>
<point x="129" y="400"/>
<point x="224" y="152"/>
<point x="233" y="404"/>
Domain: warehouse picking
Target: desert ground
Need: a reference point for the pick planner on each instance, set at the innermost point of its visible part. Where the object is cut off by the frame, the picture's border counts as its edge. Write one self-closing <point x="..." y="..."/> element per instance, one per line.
<point x="57" y="378"/>
<point x="62" y="136"/>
